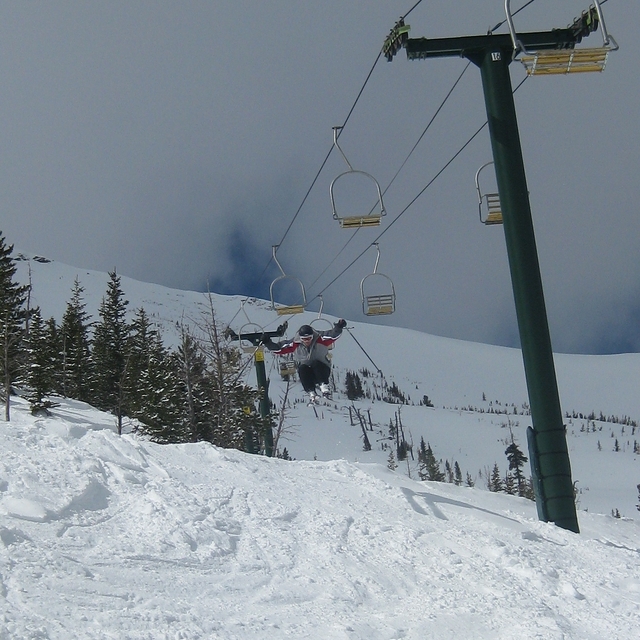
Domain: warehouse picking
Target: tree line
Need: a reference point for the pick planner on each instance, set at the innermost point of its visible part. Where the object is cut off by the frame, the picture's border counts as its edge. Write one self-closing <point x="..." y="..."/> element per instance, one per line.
<point x="195" y="392"/>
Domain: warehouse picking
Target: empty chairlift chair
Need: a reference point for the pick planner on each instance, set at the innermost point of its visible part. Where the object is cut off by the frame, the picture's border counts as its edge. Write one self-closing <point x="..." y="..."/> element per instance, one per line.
<point x="489" y="206"/>
<point x="563" y="61"/>
<point x="377" y="292"/>
<point x="287" y="309"/>
<point x="369" y="218"/>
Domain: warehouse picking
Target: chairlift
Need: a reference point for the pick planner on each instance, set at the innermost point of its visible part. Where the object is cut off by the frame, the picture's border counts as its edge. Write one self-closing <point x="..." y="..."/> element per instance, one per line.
<point x="317" y="323"/>
<point x="383" y="301"/>
<point x="488" y="202"/>
<point x="246" y="329"/>
<point x="563" y="61"/>
<point x="292" y="309"/>
<point x="370" y="219"/>
<point x="287" y="368"/>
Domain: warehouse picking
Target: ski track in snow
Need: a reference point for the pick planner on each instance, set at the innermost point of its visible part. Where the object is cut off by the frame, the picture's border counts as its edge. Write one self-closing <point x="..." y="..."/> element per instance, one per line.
<point x="114" y="537"/>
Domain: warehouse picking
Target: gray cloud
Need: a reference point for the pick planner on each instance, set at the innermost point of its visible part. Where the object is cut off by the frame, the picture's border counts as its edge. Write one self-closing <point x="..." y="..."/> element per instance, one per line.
<point x="175" y="141"/>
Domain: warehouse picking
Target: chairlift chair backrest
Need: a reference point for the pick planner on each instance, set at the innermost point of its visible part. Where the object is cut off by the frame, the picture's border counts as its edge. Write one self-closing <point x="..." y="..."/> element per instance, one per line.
<point x="489" y="202"/>
<point x="354" y="221"/>
<point x="321" y="324"/>
<point x="292" y="309"/>
<point x="249" y="328"/>
<point x="382" y="301"/>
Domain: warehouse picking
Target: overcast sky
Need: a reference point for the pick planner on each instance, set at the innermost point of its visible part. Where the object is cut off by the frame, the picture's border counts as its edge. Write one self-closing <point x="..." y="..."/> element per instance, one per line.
<point x="175" y="141"/>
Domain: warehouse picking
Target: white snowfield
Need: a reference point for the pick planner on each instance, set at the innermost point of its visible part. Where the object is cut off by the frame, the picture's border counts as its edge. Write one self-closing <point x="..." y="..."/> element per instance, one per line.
<point x="113" y="537"/>
<point x="107" y="537"/>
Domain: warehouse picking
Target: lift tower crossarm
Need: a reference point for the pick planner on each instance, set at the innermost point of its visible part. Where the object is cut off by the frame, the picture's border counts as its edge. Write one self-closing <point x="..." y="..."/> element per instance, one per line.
<point x="470" y="46"/>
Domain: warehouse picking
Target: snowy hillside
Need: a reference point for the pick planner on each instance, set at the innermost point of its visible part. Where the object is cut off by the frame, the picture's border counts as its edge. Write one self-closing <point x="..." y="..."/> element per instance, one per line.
<point x="478" y="391"/>
<point x="115" y="537"/>
<point x="111" y="537"/>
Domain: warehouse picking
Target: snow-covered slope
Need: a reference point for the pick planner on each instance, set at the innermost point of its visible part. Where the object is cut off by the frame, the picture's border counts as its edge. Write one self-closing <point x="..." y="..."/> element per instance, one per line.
<point x="478" y="391"/>
<point x="112" y="537"/>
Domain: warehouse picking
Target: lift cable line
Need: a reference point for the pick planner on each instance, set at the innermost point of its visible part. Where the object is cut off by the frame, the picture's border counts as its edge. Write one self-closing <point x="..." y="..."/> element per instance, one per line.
<point x="413" y="201"/>
<point x="324" y="162"/>
<point x="524" y="6"/>
<point x="431" y="121"/>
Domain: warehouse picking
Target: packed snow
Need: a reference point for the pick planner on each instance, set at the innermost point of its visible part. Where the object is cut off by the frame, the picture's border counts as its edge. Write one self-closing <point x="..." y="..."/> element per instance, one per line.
<point x="107" y="536"/>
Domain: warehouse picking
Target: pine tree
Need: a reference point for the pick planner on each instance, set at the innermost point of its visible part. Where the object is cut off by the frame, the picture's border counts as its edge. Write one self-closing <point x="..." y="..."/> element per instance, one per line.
<point x="13" y="315"/>
<point x="109" y="356"/>
<point x="495" y="481"/>
<point x="509" y="485"/>
<point x="393" y="465"/>
<point x="457" y="474"/>
<point x="353" y="386"/>
<point x="428" y="466"/>
<point x="76" y="374"/>
<point x="41" y="364"/>
<point x="151" y="383"/>
<point x="448" y="471"/>
<point x="516" y="460"/>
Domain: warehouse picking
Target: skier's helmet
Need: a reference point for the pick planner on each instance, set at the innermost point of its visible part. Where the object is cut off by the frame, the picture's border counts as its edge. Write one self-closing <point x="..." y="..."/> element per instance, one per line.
<point x="305" y="331"/>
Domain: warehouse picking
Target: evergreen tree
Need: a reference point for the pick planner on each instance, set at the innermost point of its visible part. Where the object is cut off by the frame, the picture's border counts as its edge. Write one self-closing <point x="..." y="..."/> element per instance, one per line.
<point x="12" y="322"/>
<point x="495" y="483"/>
<point x="428" y="466"/>
<point x="393" y="465"/>
<point x="76" y="374"/>
<point x="457" y="474"/>
<point x="509" y="485"/>
<point x="448" y="471"/>
<point x="40" y="363"/>
<point x="151" y="383"/>
<point x="53" y="341"/>
<point x="109" y="356"/>
<point x="353" y="386"/>
<point x="516" y="460"/>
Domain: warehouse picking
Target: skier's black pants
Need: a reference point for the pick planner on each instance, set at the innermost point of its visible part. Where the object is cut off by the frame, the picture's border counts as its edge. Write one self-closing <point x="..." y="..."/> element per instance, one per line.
<point x="313" y="374"/>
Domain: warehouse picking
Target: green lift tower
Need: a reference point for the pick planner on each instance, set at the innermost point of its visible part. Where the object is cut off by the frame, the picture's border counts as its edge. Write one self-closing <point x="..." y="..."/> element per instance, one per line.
<point x="545" y="52"/>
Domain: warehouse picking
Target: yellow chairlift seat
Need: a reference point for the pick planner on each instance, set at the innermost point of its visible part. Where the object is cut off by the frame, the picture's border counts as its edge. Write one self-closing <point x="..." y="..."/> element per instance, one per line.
<point x="354" y="222"/>
<point x="494" y="214"/>
<point x="379" y="305"/>
<point x="289" y="310"/>
<point x="287" y="369"/>
<point x="563" y="61"/>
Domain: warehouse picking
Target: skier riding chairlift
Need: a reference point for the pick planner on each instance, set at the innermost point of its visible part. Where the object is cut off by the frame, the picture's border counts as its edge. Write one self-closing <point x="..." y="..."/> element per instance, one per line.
<point x="310" y="350"/>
